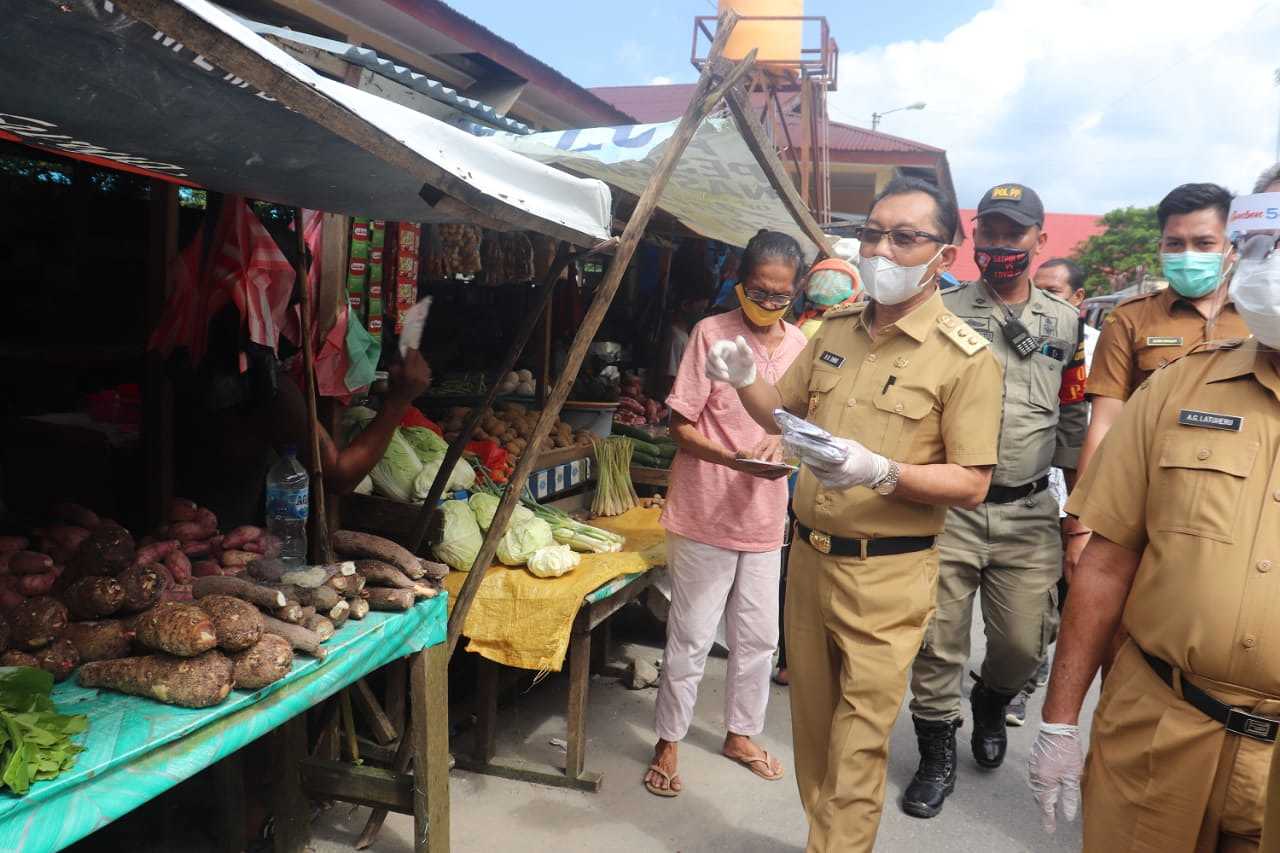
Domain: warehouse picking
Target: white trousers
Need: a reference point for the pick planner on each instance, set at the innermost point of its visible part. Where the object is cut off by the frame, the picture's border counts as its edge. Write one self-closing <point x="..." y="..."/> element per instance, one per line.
<point x="707" y="582"/>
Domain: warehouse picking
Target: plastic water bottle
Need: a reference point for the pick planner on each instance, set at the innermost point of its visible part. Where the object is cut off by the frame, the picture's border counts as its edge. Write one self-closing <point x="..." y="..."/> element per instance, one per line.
<point x="288" y="502"/>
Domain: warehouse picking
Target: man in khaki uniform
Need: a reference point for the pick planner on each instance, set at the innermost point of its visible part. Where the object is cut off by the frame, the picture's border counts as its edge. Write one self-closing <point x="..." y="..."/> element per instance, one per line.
<point x="1153" y="329"/>
<point x="914" y="395"/>
<point x="1184" y="499"/>
<point x="1010" y="548"/>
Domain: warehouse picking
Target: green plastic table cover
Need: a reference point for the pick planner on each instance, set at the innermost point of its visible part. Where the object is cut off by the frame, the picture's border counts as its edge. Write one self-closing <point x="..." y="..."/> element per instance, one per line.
<point x="136" y="749"/>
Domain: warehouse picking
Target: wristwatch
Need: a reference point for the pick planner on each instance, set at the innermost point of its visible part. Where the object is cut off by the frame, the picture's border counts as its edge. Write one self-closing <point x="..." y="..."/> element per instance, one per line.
<point x="889" y="482"/>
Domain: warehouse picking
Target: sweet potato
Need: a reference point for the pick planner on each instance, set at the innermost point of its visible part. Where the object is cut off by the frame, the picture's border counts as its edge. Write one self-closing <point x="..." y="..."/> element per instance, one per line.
<point x="30" y="585"/>
<point x="177" y="593"/>
<point x="201" y="547"/>
<point x="181" y="509"/>
<point x="142" y="586"/>
<point x="385" y="598"/>
<point x="237" y="559"/>
<point x="299" y="637"/>
<point x="104" y="640"/>
<point x="195" y="682"/>
<point x="349" y="543"/>
<point x="58" y="658"/>
<point x="155" y="552"/>
<point x="321" y="625"/>
<point x="268" y="661"/>
<point x="108" y="550"/>
<point x="262" y="596"/>
<point x="241" y="535"/>
<point x="189" y="531"/>
<point x="13" y="657"/>
<point x="13" y="543"/>
<point x="69" y="536"/>
<point x="94" y="597"/>
<point x="179" y="565"/>
<point x="10" y="598"/>
<point x="205" y="569"/>
<point x="206" y="519"/>
<point x="29" y="563"/>
<point x="36" y="622"/>
<point x="359" y="608"/>
<point x="237" y="623"/>
<point x="179" y="629"/>
<point x="73" y="513"/>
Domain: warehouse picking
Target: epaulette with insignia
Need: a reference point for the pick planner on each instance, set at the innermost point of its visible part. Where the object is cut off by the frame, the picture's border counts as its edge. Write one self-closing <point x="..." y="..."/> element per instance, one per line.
<point x="846" y="310"/>
<point x="961" y="333"/>
<point x="1138" y="297"/>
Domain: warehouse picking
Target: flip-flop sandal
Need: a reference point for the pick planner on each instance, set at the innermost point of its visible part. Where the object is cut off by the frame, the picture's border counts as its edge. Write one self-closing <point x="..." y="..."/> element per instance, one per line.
<point x="753" y="764"/>
<point x="662" y="792"/>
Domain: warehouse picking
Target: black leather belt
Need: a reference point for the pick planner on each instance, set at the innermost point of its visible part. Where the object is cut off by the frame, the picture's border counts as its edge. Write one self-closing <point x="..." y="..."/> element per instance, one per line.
<point x="1235" y="720"/>
<point x="1009" y="494"/>
<point x="828" y="544"/>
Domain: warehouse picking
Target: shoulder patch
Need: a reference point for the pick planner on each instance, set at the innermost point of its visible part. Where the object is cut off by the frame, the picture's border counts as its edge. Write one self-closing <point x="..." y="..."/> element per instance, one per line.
<point x="960" y="333"/>
<point x="846" y="310"/>
<point x="1060" y="301"/>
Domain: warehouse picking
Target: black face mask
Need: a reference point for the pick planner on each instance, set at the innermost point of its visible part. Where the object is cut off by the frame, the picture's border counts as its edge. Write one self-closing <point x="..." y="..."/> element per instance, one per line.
<point x="1000" y="265"/>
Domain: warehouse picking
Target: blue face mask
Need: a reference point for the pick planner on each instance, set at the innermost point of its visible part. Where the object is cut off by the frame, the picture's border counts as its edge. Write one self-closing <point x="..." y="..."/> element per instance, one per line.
<point x="1192" y="274"/>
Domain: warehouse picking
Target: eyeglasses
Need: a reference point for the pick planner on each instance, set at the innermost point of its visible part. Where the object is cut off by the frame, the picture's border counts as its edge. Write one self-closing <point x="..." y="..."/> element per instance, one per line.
<point x="901" y="238"/>
<point x="768" y="300"/>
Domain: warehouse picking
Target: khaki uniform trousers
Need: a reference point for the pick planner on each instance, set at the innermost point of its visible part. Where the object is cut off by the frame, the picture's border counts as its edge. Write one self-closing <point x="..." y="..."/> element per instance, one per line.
<point x="1162" y="777"/>
<point x="853" y="627"/>
<point x="1012" y="554"/>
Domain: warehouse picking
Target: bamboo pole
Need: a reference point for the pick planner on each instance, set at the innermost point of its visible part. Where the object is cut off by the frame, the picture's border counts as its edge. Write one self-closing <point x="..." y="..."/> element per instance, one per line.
<point x="320" y="546"/>
<point x="702" y="102"/>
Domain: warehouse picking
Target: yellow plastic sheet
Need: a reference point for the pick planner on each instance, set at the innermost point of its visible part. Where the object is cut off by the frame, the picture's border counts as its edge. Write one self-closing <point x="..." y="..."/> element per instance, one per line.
<point x="523" y="621"/>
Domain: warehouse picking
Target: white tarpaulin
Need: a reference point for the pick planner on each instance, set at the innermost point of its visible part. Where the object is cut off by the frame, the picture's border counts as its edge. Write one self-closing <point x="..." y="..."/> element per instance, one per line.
<point x="718" y="189"/>
<point x="195" y="96"/>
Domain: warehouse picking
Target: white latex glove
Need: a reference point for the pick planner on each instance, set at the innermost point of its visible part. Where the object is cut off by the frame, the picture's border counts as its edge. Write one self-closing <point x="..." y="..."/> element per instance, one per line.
<point x="860" y="468"/>
<point x="1055" y="766"/>
<point x="732" y="362"/>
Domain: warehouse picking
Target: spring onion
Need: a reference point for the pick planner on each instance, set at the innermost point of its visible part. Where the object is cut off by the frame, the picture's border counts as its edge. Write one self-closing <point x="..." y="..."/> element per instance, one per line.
<point x="614" y="492"/>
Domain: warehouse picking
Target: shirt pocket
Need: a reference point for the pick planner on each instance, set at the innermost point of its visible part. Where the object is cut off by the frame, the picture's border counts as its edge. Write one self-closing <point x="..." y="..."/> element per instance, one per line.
<point x="1044" y="380"/>
<point x="901" y="410"/>
<point x="822" y="384"/>
<point x="1199" y="484"/>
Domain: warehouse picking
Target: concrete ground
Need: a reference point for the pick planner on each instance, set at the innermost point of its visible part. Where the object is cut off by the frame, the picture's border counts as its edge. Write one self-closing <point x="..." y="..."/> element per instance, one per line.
<point x="724" y="807"/>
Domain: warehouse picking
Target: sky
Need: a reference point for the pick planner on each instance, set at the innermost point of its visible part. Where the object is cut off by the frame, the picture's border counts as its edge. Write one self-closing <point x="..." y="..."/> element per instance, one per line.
<point x="1096" y="104"/>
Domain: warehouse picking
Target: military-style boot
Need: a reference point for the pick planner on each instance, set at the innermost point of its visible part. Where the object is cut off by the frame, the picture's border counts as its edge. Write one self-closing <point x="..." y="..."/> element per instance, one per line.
<point x="936" y="776"/>
<point x="989" y="739"/>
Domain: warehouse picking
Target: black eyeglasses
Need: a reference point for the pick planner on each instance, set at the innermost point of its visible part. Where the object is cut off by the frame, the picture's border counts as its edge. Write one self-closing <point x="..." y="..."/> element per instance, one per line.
<point x="901" y="238"/>
<point x="768" y="300"/>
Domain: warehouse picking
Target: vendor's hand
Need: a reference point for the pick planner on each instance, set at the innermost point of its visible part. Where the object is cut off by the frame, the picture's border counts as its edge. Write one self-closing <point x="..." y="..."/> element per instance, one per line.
<point x="769" y="450"/>
<point x="732" y="362"/>
<point x="861" y="467"/>
<point x="409" y="379"/>
<point x="1055" y="767"/>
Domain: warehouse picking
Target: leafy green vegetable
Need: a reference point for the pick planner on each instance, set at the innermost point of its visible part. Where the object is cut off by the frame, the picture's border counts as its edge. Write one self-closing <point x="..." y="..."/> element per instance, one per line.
<point x="460" y="538"/>
<point x="35" y="740"/>
<point x="425" y="443"/>
<point x="484" y="506"/>
<point x="522" y="539"/>
<point x="552" y="561"/>
<point x="396" y="471"/>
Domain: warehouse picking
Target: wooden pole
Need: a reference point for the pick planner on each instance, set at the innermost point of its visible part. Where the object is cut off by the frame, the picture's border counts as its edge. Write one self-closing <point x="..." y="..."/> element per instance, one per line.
<point x="157" y="398"/>
<point x="320" y="547"/>
<point x="694" y="114"/>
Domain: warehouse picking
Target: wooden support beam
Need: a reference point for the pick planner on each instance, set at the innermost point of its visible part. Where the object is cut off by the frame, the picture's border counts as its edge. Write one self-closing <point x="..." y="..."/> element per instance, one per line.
<point x="384" y="731"/>
<point x="364" y="786"/>
<point x="429" y="730"/>
<point x="648" y="201"/>
<point x="397" y="675"/>
<point x="288" y="800"/>
<point x="767" y="156"/>
<point x="157" y="398"/>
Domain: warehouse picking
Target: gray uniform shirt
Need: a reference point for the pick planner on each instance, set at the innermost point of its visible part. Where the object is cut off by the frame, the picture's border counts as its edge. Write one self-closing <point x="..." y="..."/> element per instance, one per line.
<point x="1045" y="413"/>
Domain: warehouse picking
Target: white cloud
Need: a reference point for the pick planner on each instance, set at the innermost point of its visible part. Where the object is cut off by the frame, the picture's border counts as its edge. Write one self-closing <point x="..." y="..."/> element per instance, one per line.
<point x="661" y="80"/>
<point x="1094" y="103"/>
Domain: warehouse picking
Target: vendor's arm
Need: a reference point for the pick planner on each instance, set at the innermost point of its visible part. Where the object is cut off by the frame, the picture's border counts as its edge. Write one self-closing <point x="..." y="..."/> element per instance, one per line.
<point x="689" y="440"/>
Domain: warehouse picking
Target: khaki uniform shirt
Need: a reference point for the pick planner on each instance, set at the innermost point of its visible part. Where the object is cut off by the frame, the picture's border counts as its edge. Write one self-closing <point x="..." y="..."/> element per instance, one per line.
<point x="1189" y="477"/>
<point x="927" y="390"/>
<point x="1149" y="331"/>
<point x="1045" y="413"/>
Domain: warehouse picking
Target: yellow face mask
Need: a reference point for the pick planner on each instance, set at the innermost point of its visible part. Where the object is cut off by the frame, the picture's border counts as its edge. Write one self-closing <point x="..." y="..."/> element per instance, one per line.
<point x="757" y="314"/>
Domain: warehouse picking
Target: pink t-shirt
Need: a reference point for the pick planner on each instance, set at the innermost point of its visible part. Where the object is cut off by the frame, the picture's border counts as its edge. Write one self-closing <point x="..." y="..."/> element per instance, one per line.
<point x="710" y="503"/>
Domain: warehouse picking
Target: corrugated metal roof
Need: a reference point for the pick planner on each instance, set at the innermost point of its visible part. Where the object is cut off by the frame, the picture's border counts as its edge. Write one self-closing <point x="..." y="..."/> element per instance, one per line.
<point x="420" y="83"/>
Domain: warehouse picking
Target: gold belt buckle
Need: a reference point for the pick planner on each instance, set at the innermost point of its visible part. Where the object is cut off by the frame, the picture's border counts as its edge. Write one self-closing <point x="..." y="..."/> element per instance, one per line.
<point x="821" y="542"/>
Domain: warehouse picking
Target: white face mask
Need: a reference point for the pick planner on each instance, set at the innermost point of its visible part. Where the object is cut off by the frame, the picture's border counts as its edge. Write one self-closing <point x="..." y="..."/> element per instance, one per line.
<point x="888" y="283"/>
<point x="1255" y="290"/>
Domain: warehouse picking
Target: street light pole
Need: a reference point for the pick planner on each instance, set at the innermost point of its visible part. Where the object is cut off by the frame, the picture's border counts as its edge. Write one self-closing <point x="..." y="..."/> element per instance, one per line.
<point x="919" y="105"/>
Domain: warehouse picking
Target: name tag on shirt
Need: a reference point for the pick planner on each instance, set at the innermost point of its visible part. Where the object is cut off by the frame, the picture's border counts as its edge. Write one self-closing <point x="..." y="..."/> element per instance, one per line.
<point x="1164" y="342"/>
<point x="1209" y="420"/>
<point x="832" y="359"/>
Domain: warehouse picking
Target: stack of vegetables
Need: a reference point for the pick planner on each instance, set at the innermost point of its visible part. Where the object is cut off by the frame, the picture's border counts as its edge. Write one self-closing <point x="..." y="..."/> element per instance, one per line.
<point x="35" y="740"/>
<point x="519" y="383"/>
<point x="615" y="493"/>
<point x="510" y="427"/>
<point x="636" y="409"/>
<point x="651" y="448"/>
<point x="544" y="539"/>
<point x="142" y="618"/>
<point x="409" y="465"/>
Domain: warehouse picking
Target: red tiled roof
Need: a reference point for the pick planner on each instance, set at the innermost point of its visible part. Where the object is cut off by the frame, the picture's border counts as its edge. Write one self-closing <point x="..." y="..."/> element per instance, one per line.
<point x="663" y="103"/>
<point x="1066" y="231"/>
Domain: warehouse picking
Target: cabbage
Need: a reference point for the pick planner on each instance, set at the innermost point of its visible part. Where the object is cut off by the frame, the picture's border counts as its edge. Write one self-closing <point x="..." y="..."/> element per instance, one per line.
<point x="365" y="486"/>
<point x="552" y="561"/>
<point x="484" y="506"/>
<point x="397" y="470"/>
<point x="522" y="539"/>
<point x="355" y="419"/>
<point x="460" y="538"/>
<point x="461" y="479"/>
<point x="424" y="442"/>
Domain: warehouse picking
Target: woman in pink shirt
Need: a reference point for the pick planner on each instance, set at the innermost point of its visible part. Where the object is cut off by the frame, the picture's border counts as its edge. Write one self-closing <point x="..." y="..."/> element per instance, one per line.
<point x="724" y="525"/>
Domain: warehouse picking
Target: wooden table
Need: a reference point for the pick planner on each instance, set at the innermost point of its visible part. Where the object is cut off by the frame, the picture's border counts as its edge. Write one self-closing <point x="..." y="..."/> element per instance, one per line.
<point x="584" y="658"/>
